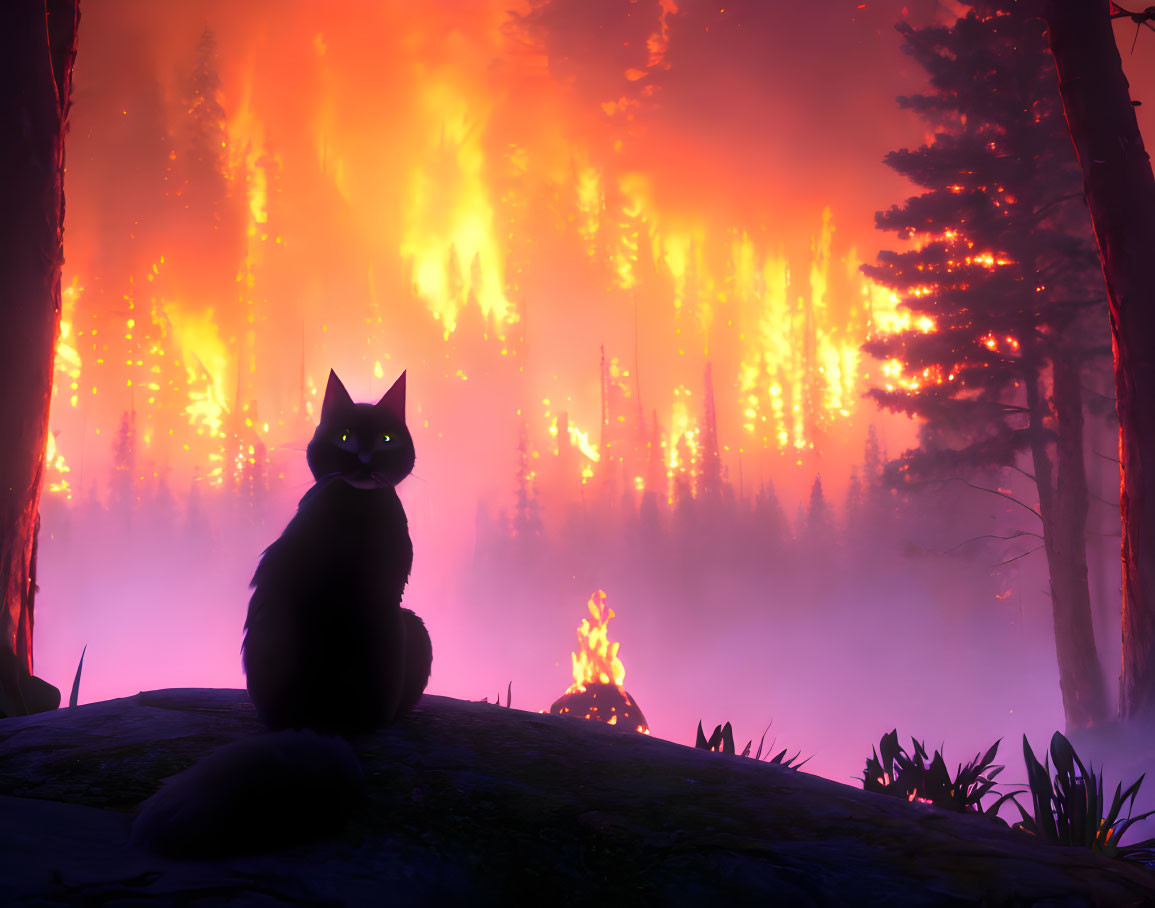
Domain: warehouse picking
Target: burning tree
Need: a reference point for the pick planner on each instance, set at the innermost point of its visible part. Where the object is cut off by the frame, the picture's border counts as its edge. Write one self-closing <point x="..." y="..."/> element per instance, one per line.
<point x="207" y="131"/>
<point x="1004" y="298"/>
<point x="1120" y="189"/>
<point x="526" y="520"/>
<point x="37" y="49"/>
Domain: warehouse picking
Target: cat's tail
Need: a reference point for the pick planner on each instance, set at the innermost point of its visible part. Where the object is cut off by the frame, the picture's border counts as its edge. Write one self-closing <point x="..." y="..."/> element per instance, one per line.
<point x="255" y="794"/>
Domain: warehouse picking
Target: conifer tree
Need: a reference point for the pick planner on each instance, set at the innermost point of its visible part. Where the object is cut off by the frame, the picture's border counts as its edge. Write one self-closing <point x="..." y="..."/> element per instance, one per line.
<point x="854" y="510"/>
<point x="208" y="124"/>
<point x="770" y="521"/>
<point x="710" y="482"/>
<point x="122" y="486"/>
<point x="818" y="529"/>
<point x="1005" y="298"/>
<point x="215" y="218"/>
<point x="527" y="523"/>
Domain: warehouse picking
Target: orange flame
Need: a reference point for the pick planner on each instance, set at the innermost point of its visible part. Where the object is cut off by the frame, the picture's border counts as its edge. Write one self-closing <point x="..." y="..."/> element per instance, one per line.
<point x="472" y="195"/>
<point x="596" y="660"/>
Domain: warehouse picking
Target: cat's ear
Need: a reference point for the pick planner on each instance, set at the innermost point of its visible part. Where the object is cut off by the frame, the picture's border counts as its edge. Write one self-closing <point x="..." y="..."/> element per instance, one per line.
<point x="394" y="399"/>
<point x="336" y="397"/>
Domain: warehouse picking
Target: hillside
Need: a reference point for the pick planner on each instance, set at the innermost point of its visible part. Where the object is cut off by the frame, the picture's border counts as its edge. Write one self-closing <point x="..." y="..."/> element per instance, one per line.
<point x="470" y="802"/>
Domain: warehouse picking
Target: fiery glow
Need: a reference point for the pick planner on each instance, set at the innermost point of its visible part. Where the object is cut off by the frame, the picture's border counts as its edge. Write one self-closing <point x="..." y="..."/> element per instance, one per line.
<point x="683" y="446"/>
<point x="68" y="363"/>
<point x="206" y="361"/>
<point x="56" y="467"/>
<point x="590" y="204"/>
<point x="596" y="660"/>
<point x="450" y="237"/>
<point x="633" y="189"/>
<point x="484" y="219"/>
<point x="582" y="441"/>
<point x="596" y="692"/>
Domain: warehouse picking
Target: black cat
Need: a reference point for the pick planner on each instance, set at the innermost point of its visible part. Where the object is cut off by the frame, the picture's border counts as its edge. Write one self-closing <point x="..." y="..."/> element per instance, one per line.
<point x="327" y="644"/>
<point x="328" y="651"/>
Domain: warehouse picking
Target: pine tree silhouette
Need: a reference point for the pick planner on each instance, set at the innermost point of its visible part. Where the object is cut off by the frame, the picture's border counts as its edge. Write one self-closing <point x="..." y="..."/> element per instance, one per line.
<point x="207" y="126"/>
<point x="123" y="484"/>
<point x="1005" y="294"/>
<point x="710" y="483"/>
<point x="526" y="524"/>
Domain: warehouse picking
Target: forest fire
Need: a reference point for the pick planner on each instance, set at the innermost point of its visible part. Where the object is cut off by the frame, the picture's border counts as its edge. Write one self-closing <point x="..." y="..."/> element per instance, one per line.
<point x="803" y="364"/>
<point x="598" y="674"/>
<point x="631" y="257"/>
<point x="253" y="243"/>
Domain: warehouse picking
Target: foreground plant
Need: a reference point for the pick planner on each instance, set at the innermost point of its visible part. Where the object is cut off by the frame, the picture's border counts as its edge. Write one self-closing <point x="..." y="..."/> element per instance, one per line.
<point x="722" y="741"/>
<point x="890" y="770"/>
<point x="74" y="697"/>
<point x="1072" y="810"/>
<point x="497" y="701"/>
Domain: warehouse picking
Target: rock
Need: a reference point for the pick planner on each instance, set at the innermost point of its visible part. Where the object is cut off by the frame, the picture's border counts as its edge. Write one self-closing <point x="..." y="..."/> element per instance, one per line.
<point x="22" y="694"/>
<point x="479" y="804"/>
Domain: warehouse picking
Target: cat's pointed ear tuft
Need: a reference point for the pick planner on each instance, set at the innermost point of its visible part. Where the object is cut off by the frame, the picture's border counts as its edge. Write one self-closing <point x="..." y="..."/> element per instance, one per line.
<point x="394" y="399"/>
<point x="336" y="397"/>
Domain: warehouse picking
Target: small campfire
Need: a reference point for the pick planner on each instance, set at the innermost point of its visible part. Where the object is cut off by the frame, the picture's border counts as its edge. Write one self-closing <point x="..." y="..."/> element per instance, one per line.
<point x="597" y="692"/>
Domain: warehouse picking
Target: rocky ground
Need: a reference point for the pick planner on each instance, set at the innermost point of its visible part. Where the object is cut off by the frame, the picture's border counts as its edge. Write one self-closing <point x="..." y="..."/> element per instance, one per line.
<point x="471" y="803"/>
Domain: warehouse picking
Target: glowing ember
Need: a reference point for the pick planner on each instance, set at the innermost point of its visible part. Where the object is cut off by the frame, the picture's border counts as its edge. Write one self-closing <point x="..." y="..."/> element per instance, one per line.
<point x="598" y="673"/>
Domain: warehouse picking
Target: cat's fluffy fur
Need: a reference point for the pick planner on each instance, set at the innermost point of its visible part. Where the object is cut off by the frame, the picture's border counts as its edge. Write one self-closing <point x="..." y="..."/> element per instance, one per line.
<point x="254" y="795"/>
<point x="327" y="644"/>
<point x="328" y="650"/>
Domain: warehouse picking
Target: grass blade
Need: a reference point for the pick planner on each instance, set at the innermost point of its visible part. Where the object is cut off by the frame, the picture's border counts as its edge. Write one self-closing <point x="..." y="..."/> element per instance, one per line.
<point x="75" y="695"/>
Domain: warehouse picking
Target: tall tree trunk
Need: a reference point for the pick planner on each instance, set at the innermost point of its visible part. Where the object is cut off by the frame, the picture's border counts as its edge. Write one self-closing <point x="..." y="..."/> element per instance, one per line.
<point x="1063" y="507"/>
<point x="1074" y="622"/>
<point x="1120" y="190"/>
<point x="37" y="49"/>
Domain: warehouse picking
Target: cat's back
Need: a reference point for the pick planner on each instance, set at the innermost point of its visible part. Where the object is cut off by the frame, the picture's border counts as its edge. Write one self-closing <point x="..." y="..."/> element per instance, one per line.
<point x="323" y="635"/>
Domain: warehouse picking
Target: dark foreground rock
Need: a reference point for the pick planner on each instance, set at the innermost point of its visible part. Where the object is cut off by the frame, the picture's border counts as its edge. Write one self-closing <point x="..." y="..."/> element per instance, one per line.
<point x="471" y="803"/>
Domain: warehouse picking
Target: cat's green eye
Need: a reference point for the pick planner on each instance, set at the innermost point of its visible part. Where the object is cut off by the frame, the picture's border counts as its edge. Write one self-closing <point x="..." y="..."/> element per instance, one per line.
<point x="385" y="438"/>
<point x="344" y="436"/>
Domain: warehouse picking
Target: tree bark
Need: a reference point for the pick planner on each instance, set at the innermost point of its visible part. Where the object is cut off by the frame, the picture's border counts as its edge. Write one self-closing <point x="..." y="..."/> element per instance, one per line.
<point x="1063" y="503"/>
<point x="37" y="50"/>
<point x="1087" y="703"/>
<point x="1120" y="190"/>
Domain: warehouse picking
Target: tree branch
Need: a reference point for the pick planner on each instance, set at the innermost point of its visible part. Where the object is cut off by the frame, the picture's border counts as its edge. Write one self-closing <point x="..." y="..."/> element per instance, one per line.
<point x="1035" y="215"/>
<point x="1018" y="556"/>
<point x="1001" y="494"/>
<point x="1110" y="397"/>
<point x="1143" y="18"/>
<point x="1029" y="476"/>
<point x="1015" y="535"/>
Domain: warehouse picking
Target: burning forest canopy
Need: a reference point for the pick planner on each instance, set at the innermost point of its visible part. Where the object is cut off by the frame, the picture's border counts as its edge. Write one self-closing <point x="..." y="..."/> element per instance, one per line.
<point x="616" y="246"/>
<point x="486" y="198"/>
